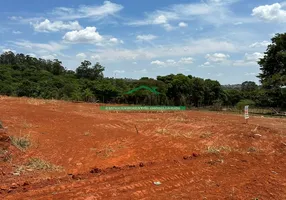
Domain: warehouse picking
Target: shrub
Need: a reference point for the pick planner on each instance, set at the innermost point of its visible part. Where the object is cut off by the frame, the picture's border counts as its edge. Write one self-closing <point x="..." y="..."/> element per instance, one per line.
<point x="217" y="105"/>
<point x="240" y="105"/>
<point x="22" y="142"/>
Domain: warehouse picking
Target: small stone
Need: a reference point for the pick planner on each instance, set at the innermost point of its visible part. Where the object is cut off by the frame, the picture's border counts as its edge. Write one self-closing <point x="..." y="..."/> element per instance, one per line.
<point x="14" y="186"/>
<point x="141" y="164"/>
<point x="195" y="154"/>
<point x="25" y="183"/>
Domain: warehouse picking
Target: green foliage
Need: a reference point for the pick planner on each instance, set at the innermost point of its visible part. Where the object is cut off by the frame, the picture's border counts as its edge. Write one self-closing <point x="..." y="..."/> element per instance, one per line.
<point x="22" y="75"/>
<point x="273" y="69"/>
<point x="240" y="105"/>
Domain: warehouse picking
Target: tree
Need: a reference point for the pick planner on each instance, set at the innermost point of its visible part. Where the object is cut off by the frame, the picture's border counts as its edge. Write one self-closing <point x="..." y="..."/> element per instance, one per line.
<point x="93" y="73"/>
<point x="248" y="86"/>
<point x="198" y="88"/>
<point x="273" y="69"/>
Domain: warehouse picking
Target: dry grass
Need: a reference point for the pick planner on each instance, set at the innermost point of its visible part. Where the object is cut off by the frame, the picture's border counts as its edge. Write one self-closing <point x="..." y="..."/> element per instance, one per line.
<point x="37" y="102"/>
<point x="27" y="125"/>
<point x="1" y="125"/>
<point x="105" y="152"/>
<point x="147" y="120"/>
<point x="163" y="131"/>
<point x="5" y="155"/>
<point x="39" y="164"/>
<point x="218" y="149"/>
<point x="206" y="135"/>
<point x="251" y="150"/>
<point x="36" y="164"/>
<point x="21" y="142"/>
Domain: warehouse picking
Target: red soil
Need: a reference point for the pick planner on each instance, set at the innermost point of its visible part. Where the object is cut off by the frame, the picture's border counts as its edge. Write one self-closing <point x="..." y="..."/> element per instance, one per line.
<point x="195" y="155"/>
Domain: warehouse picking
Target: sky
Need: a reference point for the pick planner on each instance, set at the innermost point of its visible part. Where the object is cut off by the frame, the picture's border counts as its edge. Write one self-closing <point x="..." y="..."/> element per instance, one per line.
<point x="215" y="39"/>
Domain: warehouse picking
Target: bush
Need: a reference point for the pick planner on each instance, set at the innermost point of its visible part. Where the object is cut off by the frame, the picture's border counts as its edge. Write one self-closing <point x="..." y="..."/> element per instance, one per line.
<point x="22" y="142"/>
<point x="240" y="105"/>
<point x="217" y="105"/>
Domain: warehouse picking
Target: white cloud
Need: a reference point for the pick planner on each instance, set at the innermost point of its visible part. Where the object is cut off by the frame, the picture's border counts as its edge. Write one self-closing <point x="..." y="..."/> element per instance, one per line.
<point x="161" y="19"/>
<point x="49" y="57"/>
<point x="134" y="63"/>
<point x="81" y="56"/>
<point x="187" y="49"/>
<point x="272" y="12"/>
<point x="206" y="65"/>
<point x="251" y="74"/>
<point x="183" y="24"/>
<point x="40" y="47"/>
<point x="23" y="20"/>
<point x="94" y="12"/>
<point x="212" y="12"/>
<point x="119" y="71"/>
<point x="260" y="44"/>
<point x="158" y="62"/>
<point x="168" y="27"/>
<point x="171" y="62"/>
<point x="7" y="50"/>
<point x="254" y="56"/>
<point x="32" y="55"/>
<point x="95" y="57"/>
<point x="148" y="37"/>
<point x="87" y="35"/>
<point x="187" y="60"/>
<point x="116" y="41"/>
<point x="16" y="32"/>
<point x="249" y="59"/>
<point x="219" y="74"/>
<point x="217" y="57"/>
<point x="238" y="23"/>
<point x="143" y="71"/>
<point x="48" y="26"/>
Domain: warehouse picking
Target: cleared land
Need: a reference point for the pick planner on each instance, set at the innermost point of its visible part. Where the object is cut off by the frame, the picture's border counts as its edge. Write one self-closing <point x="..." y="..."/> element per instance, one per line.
<point x="75" y="151"/>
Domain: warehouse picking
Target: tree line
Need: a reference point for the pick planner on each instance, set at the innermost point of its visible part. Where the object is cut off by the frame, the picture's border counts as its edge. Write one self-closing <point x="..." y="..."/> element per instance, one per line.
<point x="23" y="75"/>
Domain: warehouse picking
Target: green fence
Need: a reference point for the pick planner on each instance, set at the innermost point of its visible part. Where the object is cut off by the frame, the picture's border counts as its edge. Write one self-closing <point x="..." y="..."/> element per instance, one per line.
<point x="147" y="108"/>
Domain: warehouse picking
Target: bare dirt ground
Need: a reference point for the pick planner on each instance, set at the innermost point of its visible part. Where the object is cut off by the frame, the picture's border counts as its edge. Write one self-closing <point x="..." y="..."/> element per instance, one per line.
<point x="102" y="155"/>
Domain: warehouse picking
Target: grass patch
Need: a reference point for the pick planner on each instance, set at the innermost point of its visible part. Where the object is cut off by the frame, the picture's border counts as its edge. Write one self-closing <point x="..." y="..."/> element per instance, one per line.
<point x="27" y="125"/>
<point x="39" y="164"/>
<point x="188" y="134"/>
<point x="5" y="156"/>
<point x="251" y="150"/>
<point x="162" y="131"/>
<point x="107" y="151"/>
<point x="206" y="135"/>
<point x="22" y="142"/>
<point x="217" y="150"/>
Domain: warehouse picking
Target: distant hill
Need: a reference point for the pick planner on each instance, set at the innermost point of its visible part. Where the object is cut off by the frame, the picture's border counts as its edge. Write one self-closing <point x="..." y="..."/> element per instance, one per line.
<point x="233" y="86"/>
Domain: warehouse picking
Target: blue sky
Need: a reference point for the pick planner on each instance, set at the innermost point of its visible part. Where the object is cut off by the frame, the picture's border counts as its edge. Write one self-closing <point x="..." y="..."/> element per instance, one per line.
<point x="216" y="39"/>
